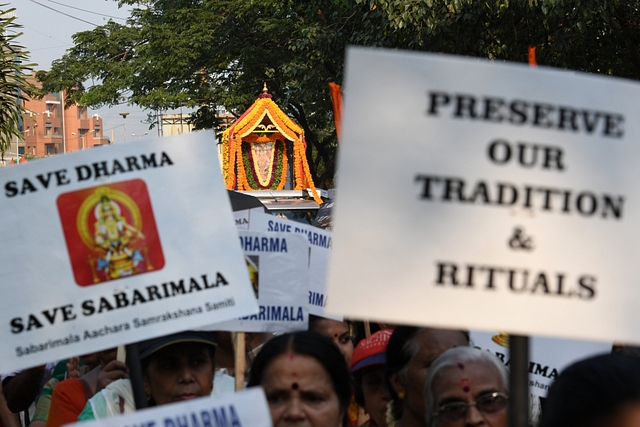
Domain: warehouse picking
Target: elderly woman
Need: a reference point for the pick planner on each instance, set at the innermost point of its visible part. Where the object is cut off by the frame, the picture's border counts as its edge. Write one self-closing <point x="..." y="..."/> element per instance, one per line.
<point x="175" y="367"/>
<point x="305" y="379"/>
<point x="466" y="387"/>
<point x="410" y="353"/>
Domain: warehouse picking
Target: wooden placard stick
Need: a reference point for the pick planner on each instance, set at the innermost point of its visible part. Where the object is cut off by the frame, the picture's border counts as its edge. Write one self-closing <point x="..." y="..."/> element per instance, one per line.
<point x="121" y="355"/>
<point x="367" y="329"/>
<point x="240" y="362"/>
<point x="135" y="375"/>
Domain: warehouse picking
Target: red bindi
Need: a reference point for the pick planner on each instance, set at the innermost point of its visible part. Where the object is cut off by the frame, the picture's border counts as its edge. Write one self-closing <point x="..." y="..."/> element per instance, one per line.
<point x="460" y="365"/>
<point x="464" y="383"/>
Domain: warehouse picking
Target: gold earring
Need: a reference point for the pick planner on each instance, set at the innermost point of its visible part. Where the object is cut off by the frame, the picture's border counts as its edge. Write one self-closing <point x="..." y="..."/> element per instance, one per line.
<point x="401" y="395"/>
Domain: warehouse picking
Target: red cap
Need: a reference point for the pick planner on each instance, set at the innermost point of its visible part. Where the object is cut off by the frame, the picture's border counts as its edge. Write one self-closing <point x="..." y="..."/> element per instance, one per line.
<point x="371" y="351"/>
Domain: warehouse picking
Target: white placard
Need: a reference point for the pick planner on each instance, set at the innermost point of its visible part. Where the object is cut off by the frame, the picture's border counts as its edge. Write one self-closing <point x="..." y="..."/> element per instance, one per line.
<point x="278" y="265"/>
<point x="114" y="245"/>
<point x="320" y="242"/>
<point x="247" y="408"/>
<point x="547" y="356"/>
<point x="243" y="217"/>
<point x="499" y="196"/>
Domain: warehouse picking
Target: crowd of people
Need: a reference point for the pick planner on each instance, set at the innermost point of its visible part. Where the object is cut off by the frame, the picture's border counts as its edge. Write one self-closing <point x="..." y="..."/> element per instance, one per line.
<point x="397" y="376"/>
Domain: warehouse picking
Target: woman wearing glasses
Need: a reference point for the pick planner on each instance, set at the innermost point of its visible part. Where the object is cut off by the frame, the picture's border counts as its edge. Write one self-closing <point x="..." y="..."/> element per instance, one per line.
<point x="466" y="387"/>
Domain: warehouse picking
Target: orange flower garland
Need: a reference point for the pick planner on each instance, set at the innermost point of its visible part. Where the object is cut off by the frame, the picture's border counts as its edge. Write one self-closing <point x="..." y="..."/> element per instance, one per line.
<point x="245" y="130"/>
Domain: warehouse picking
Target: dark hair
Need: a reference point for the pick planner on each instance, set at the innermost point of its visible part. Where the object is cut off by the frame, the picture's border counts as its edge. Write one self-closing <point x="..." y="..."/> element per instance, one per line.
<point x="314" y="320"/>
<point x="399" y="355"/>
<point x="400" y="352"/>
<point x="306" y="343"/>
<point x="588" y="392"/>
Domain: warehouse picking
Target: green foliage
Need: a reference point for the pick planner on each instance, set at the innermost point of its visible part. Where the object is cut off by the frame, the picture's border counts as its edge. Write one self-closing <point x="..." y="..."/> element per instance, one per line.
<point x="207" y="53"/>
<point x="14" y="86"/>
<point x="589" y="35"/>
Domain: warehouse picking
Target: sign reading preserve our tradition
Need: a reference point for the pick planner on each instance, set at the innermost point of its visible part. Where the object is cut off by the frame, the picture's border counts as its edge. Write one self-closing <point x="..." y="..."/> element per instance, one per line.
<point x="499" y="196"/>
<point x="114" y="245"/>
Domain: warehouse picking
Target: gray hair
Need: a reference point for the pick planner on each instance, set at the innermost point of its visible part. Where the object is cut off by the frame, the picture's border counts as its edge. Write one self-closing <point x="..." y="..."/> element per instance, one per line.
<point x="453" y="358"/>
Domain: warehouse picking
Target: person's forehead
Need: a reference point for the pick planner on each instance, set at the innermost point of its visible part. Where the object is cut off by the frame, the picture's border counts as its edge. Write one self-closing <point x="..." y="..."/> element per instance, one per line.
<point x="434" y="342"/>
<point x="332" y="326"/>
<point x="471" y="377"/>
<point x="374" y="370"/>
<point x="180" y="349"/>
<point x="290" y="367"/>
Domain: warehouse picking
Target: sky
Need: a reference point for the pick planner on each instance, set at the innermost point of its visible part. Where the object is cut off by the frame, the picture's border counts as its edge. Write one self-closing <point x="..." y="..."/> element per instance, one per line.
<point x="48" y="27"/>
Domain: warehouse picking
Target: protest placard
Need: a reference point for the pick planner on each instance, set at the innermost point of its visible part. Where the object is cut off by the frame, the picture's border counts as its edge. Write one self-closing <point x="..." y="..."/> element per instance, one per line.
<point x="320" y="242"/>
<point x="499" y="197"/>
<point x="547" y="356"/>
<point x="242" y="217"/>
<point x="243" y="409"/>
<point x="114" y="245"/>
<point x="278" y="265"/>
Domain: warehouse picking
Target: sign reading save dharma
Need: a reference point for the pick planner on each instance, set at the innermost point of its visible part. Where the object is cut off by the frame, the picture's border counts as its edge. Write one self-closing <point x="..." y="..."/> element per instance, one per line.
<point x="320" y="248"/>
<point x="243" y="409"/>
<point x="500" y="197"/>
<point x="114" y="245"/>
<point x="278" y="265"/>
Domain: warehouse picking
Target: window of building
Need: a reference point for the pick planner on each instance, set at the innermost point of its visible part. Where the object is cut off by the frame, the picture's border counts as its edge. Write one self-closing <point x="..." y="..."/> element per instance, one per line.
<point x="47" y="130"/>
<point x="50" y="149"/>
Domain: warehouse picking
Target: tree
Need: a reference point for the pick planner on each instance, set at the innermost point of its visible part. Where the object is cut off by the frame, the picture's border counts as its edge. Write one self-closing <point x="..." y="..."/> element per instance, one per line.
<point x="207" y="53"/>
<point x="590" y="35"/>
<point x="14" y="86"/>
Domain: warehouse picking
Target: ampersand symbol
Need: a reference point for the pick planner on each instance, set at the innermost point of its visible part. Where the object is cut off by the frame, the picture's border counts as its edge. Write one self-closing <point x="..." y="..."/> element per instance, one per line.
<point x="520" y="241"/>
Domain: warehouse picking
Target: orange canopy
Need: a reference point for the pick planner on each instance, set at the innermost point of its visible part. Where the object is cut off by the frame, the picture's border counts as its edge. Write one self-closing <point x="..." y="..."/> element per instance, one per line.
<point x="264" y="122"/>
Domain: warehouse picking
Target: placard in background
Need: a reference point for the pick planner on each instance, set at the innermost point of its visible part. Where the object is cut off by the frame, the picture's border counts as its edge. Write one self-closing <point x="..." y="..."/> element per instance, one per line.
<point x="547" y="356"/>
<point x="320" y="242"/>
<point x="114" y="245"/>
<point x="278" y="265"/>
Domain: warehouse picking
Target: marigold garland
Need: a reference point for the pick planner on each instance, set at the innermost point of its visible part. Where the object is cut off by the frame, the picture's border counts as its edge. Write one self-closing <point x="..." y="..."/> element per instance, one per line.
<point x="235" y="168"/>
<point x="278" y="172"/>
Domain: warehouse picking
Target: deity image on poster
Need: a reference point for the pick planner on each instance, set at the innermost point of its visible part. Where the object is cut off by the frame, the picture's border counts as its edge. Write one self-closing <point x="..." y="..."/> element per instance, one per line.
<point x="253" y="265"/>
<point x="110" y="232"/>
<point x="263" y="158"/>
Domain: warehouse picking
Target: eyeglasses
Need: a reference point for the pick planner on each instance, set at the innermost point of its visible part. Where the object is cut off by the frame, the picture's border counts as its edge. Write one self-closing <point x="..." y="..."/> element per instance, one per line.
<point x="455" y="412"/>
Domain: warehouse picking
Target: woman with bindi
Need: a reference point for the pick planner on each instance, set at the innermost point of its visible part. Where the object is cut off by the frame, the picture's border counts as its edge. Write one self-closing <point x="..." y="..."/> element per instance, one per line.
<point x="305" y="379"/>
<point x="410" y="353"/>
<point x="341" y="332"/>
<point x="466" y="387"/>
